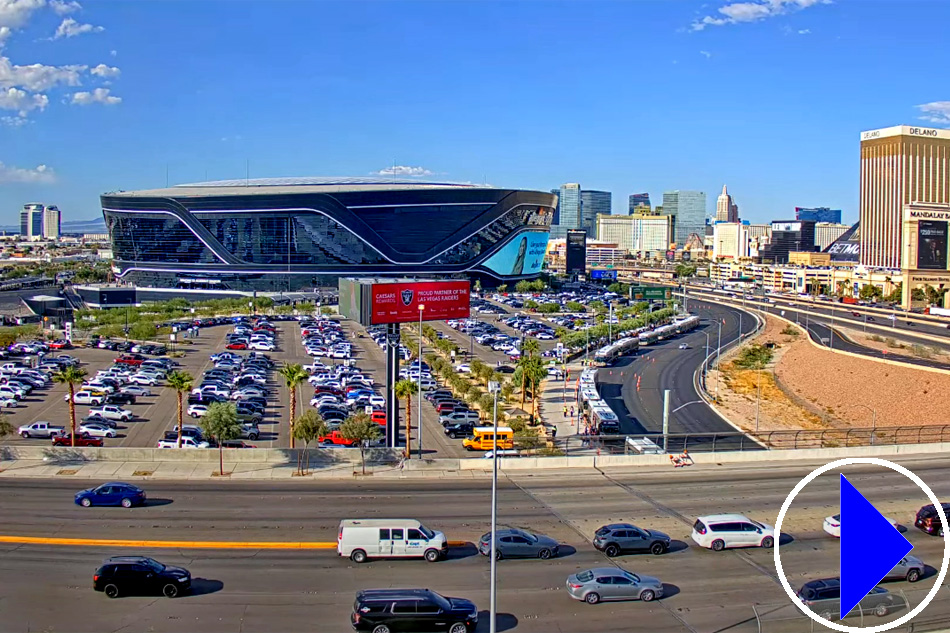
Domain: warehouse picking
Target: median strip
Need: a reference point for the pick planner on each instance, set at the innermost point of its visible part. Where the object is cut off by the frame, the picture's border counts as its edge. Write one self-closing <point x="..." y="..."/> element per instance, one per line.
<point x="98" y="542"/>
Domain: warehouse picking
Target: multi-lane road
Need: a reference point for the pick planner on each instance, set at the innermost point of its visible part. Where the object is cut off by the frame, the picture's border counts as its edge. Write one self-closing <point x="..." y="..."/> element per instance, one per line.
<point x="663" y="366"/>
<point x="49" y="588"/>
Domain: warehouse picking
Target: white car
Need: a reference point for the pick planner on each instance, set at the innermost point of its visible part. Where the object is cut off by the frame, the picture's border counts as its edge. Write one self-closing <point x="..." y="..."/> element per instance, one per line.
<point x="135" y="390"/>
<point x="197" y="410"/>
<point x="463" y="368"/>
<point x="8" y="402"/>
<point x="719" y="531"/>
<point x="832" y="525"/>
<point x="545" y="336"/>
<point x="262" y="346"/>
<point x="684" y="346"/>
<point x="86" y="397"/>
<point x="144" y="379"/>
<point x="377" y="400"/>
<point x="94" y="429"/>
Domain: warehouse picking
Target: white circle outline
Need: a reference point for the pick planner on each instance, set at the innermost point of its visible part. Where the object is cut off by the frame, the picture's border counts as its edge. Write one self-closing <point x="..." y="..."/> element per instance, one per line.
<point x="880" y="628"/>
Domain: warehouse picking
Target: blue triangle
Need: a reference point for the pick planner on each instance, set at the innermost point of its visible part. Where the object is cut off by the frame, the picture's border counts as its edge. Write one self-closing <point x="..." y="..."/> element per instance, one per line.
<point x="870" y="546"/>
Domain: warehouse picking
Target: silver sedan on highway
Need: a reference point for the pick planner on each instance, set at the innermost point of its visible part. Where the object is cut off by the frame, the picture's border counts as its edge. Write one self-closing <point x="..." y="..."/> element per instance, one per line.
<point x="612" y="583"/>
<point x="514" y="543"/>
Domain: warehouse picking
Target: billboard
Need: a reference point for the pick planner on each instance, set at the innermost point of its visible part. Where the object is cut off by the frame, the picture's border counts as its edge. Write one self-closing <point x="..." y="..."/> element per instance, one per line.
<point x="650" y="293"/>
<point x="523" y="255"/>
<point x="599" y="273"/>
<point x="931" y="245"/>
<point x="576" y="252"/>
<point x="398" y="302"/>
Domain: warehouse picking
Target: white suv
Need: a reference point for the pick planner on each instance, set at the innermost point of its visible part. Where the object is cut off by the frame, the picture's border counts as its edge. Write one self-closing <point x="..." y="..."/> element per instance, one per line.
<point x="719" y="531"/>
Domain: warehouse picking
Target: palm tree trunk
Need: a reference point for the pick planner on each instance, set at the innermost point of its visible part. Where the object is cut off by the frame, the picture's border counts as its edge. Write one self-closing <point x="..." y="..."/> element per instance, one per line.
<point x="181" y="421"/>
<point x="523" y="385"/>
<point x="293" y="410"/>
<point x="72" y="417"/>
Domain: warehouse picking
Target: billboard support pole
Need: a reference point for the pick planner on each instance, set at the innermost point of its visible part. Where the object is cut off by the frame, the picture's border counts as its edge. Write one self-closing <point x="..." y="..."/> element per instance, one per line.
<point x="392" y="377"/>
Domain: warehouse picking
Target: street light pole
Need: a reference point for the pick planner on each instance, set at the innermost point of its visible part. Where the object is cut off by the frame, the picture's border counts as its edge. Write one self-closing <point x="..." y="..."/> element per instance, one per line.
<point x="419" y="381"/>
<point x="493" y="388"/>
<point x="758" y="393"/>
<point x="706" y="359"/>
<point x="610" y="318"/>
<point x="718" y="352"/>
<point x="873" y="419"/>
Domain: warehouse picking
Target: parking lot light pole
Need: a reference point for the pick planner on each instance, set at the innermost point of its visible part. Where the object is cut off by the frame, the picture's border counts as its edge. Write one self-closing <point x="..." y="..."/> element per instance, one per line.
<point x="419" y="382"/>
<point x="493" y="388"/>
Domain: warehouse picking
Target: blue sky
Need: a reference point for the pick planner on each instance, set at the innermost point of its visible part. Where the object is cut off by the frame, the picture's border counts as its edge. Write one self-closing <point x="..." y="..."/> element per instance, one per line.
<point x="767" y="96"/>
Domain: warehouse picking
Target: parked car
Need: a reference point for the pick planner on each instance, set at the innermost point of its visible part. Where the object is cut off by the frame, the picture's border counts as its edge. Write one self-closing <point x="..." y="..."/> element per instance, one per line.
<point x="197" y="410"/>
<point x="459" y="429"/>
<point x="40" y="429"/>
<point x="824" y="598"/>
<point x="612" y="583"/>
<point x="114" y="493"/>
<point x="620" y="538"/>
<point x="95" y="429"/>
<point x="139" y="575"/>
<point x="81" y="440"/>
<point x="112" y="412"/>
<point x="719" y="531"/>
<point x="515" y="543"/>
<point x="136" y="390"/>
<point x="384" y="610"/>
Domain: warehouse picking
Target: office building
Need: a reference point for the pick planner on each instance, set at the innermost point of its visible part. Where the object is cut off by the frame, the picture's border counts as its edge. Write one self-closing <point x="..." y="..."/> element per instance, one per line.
<point x="568" y="211"/>
<point x="826" y="233"/>
<point x="730" y="241"/>
<point x="726" y="209"/>
<point x="40" y="222"/>
<point x="594" y="203"/>
<point x="788" y="237"/>
<point x="900" y="165"/>
<point x="617" y="229"/>
<point x="637" y="200"/>
<point x="651" y="234"/>
<point x="290" y="234"/>
<point x="688" y="210"/>
<point x="758" y="230"/>
<point x="818" y="214"/>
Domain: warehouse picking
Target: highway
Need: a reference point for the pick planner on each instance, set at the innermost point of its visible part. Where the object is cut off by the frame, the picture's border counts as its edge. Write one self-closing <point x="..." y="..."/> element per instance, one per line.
<point x="664" y="366"/>
<point x="49" y="588"/>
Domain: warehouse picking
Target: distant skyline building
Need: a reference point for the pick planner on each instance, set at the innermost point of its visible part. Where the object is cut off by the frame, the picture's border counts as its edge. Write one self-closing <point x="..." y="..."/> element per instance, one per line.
<point x="651" y="233"/>
<point x="40" y="222"/>
<point x="726" y="208"/>
<point x="594" y="203"/>
<point x="730" y="241"/>
<point x="818" y="214"/>
<point x="617" y="229"/>
<point x="568" y="210"/>
<point x="788" y="236"/>
<point x="688" y="210"/>
<point x="900" y="165"/>
<point x="827" y="233"/>
<point x="637" y="200"/>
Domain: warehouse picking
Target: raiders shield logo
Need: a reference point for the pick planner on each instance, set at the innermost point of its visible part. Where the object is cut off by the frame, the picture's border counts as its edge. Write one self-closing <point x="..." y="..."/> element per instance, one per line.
<point x="406" y="297"/>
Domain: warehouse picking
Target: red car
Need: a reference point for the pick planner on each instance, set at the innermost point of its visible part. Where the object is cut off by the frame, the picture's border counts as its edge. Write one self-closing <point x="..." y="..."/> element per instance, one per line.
<point x="448" y="407"/>
<point x="236" y="346"/>
<point x="334" y="437"/>
<point x="130" y="359"/>
<point x="61" y="344"/>
<point x="81" y="440"/>
<point x="330" y="390"/>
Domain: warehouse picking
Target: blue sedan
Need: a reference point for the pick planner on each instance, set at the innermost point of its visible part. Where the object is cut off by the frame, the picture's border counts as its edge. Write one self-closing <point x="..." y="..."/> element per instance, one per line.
<point x="111" y="494"/>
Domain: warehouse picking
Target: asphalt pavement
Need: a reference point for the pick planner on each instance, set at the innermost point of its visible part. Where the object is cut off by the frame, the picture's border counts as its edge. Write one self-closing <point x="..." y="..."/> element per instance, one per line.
<point x="48" y="588"/>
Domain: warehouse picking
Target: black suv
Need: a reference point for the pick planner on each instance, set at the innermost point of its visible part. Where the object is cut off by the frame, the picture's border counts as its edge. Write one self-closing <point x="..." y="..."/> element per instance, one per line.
<point x="459" y="429"/>
<point x="385" y="610"/>
<point x="139" y="575"/>
<point x="928" y="520"/>
<point x="120" y="398"/>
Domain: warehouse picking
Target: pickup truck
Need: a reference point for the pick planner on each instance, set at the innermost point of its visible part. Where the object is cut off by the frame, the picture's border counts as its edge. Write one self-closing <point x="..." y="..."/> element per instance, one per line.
<point x="40" y="429"/>
<point x="186" y="442"/>
<point x="111" y="412"/>
<point x="81" y="440"/>
<point x="334" y="437"/>
<point x="86" y="397"/>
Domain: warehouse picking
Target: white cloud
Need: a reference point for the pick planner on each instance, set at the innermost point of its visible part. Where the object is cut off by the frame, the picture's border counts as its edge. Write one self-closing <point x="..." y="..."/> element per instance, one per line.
<point x="935" y="112"/>
<point x="804" y="32"/>
<point x="61" y="7"/>
<point x="753" y="11"/>
<point x="72" y="28"/>
<point x="705" y="54"/>
<point x="113" y="52"/>
<point x="14" y="121"/>
<point x="39" y="174"/>
<point x="404" y="170"/>
<point x="106" y="72"/>
<point x="16" y="13"/>
<point x="38" y="77"/>
<point x="21" y="101"/>
<point x="99" y="95"/>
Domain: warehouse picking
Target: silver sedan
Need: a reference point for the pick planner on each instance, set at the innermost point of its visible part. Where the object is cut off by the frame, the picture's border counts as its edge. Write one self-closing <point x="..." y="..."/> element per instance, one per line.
<point x="612" y="583"/>
<point x="515" y="543"/>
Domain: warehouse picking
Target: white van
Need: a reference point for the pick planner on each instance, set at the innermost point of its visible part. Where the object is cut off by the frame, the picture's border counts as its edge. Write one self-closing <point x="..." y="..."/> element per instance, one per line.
<point x="362" y="539"/>
<point x="719" y="531"/>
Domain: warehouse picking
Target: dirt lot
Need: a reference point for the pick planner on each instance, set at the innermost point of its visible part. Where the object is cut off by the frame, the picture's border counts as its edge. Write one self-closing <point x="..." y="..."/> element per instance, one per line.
<point x="895" y="345"/>
<point x="806" y="387"/>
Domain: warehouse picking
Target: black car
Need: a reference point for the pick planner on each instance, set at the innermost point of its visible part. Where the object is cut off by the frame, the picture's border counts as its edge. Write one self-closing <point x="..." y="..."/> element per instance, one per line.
<point x="460" y="429"/>
<point x="205" y="398"/>
<point x="120" y="398"/>
<point x="385" y="610"/>
<point x="928" y="520"/>
<point x="432" y="395"/>
<point x="140" y="575"/>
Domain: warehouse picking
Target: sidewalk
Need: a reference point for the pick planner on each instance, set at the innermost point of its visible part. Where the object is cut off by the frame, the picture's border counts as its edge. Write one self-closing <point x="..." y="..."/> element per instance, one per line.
<point x="555" y="395"/>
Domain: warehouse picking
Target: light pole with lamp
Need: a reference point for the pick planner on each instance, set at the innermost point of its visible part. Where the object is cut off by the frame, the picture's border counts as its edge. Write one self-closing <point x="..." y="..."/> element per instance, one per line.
<point x="873" y="419"/>
<point x="493" y="388"/>
<point x="422" y="307"/>
<point x="706" y="359"/>
<point x="718" y="352"/>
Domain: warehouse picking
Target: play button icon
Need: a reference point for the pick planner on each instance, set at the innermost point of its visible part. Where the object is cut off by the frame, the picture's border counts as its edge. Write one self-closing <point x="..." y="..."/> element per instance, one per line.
<point x="870" y="546"/>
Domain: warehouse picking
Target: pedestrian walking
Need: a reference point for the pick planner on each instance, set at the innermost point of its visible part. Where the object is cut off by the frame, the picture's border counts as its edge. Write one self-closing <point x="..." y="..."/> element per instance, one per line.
<point x="565" y="411"/>
<point x="553" y="433"/>
<point x="572" y="412"/>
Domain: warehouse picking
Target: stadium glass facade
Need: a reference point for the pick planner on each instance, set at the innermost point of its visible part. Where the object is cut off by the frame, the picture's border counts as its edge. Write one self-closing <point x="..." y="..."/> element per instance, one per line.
<point x="292" y="234"/>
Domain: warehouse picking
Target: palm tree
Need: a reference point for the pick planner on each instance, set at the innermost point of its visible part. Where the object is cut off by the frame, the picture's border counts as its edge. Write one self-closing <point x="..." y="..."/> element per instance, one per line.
<point x="529" y="347"/>
<point x="180" y="381"/>
<point x="71" y="376"/>
<point x="407" y="389"/>
<point x="293" y="374"/>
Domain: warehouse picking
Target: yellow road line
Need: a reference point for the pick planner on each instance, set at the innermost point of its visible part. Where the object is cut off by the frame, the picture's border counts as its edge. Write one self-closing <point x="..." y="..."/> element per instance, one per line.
<point x="98" y="542"/>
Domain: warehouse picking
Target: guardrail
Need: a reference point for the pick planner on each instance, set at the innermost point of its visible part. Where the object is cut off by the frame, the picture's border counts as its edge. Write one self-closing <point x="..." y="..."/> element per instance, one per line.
<point x="769" y="440"/>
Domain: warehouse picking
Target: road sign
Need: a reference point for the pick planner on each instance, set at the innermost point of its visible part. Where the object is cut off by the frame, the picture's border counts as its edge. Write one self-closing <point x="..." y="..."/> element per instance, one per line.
<point x="870" y="546"/>
<point x="69" y="331"/>
<point x="650" y="293"/>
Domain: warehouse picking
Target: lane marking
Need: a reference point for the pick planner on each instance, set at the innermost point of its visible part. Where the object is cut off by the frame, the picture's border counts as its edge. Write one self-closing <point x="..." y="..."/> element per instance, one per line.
<point x="86" y="542"/>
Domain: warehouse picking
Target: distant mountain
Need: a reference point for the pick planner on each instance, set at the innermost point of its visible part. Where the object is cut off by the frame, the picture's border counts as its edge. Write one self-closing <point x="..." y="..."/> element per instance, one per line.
<point x="96" y="225"/>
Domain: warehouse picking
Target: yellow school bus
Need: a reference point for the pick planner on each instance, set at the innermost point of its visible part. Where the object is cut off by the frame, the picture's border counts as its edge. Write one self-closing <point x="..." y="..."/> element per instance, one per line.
<point x="483" y="438"/>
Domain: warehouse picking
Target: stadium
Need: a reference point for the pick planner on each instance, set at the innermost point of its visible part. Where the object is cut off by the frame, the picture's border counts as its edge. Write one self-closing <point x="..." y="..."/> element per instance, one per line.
<point x="290" y="234"/>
